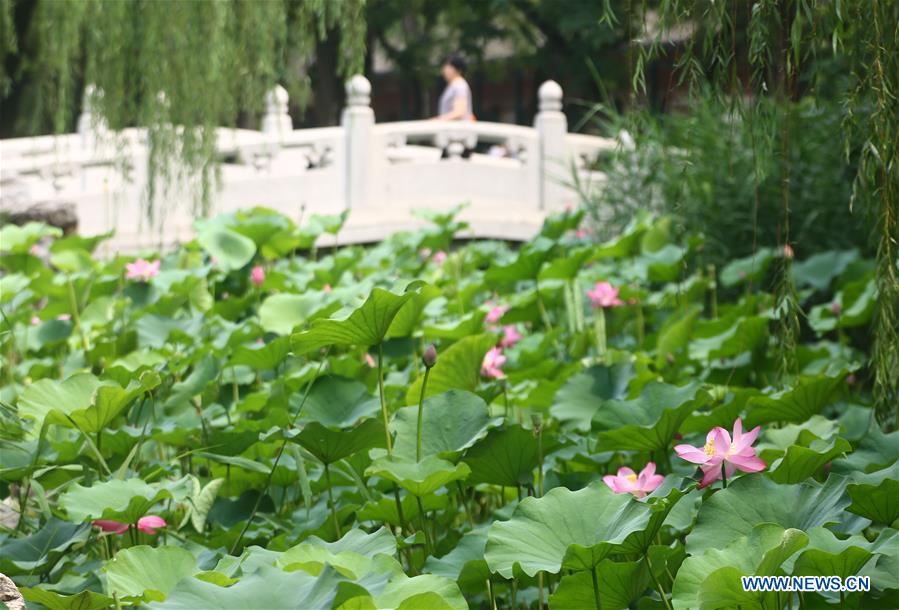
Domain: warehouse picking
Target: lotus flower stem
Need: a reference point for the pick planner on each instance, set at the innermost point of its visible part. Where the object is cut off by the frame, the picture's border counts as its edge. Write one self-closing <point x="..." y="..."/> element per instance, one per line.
<point x="599" y="330"/>
<point x="331" y="504"/>
<point x="723" y="475"/>
<point x="658" y="584"/>
<point x="421" y="410"/>
<point x="596" y="588"/>
<point x="383" y="401"/>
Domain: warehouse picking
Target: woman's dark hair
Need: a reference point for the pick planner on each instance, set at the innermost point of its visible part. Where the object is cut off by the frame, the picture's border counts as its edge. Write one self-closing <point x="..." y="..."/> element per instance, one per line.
<point x="455" y="60"/>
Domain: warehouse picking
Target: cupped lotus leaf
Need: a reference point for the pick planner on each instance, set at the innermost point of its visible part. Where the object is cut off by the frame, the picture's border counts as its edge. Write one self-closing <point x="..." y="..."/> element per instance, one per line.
<point x="338" y="402"/>
<point x="525" y="267"/>
<point x="565" y="267"/>
<point x="418" y="478"/>
<point x="456" y="327"/>
<point x="819" y="270"/>
<point x="332" y="444"/>
<point x="856" y="301"/>
<point x="408" y="318"/>
<point x="125" y="501"/>
<point x="583" y="394"/>
<point x="267" y="587"/>
<point x="648" y="422"/>
<point x="620" y="584"/>
<point x="557" y="224"/>
<point x="875" y="496"/>
<point x="661" y="501"/>
<point x="874" y="452"/>
<point x="82" y="401"/>
<point x="204" y="372"/>
<point x="674" y="336"/>
<point x="753" y="499"/>
<point x="146" y="572"/>
<point x="710" y="576"/>
<point x="365" y="326"/>
<point x="831" y="556"/>
<point x="727" y="337"/>
<point x="807" y="457"/>
<point x="86" y="600"/>
<point x="230" y="249"/>
<point x="458" y="368"/>
<point x="884" y="570"/>
<point x="423" y="591"/>
<point x="262" y="357"/>
<point x="506" y="456"/>
<point x="19" y="239"/>
<point x="384" y="509"/>
<point x="351" y="556"/>
<point x="451" y="422"/>
<point x="797" y="404"/>
<point x="749" y="269"/>
<point x="201" y="500"/>
<point x="574" y="530"/>
<point x="39" y="552"/>
<point x="465" y="563"/>
<point x="282" y="313"/>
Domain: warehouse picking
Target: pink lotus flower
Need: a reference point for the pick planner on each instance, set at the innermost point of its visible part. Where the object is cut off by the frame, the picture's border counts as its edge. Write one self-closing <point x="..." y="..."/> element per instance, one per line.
<point x="141" y="270"/>
<point x="36" y="250"/>
<point x="626" y="481"/>
<point x="836" y="309"/>
<point x="788" y="252"/>
<point x="720" y="450"/>
<point x="492" y="363"/>
<point x="147" y="525"/>
<point x="511" y="336"/>
<point x="440" y="257"/>
<point x="64" y="317"/>
<point x="257" y="275"/>
<point x="326" y="288"/>
<point x="604" y="295"/>
<point x="495" y="314"/>
<point x="35" y="320"/>
<point x="369" y="360"/>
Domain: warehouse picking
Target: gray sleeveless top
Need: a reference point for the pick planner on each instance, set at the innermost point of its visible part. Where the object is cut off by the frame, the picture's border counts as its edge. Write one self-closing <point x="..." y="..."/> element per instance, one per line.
<point x="457" y="88"/>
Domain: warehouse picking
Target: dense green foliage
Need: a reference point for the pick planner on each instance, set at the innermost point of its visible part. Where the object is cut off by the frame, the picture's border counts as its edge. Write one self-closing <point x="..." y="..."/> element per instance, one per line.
<point x="276" y="411"/>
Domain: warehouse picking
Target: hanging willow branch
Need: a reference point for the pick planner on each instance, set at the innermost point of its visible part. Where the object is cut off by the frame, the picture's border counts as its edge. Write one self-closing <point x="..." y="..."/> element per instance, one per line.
<point x="791" y="48"/>
<point x="180" y="68"/>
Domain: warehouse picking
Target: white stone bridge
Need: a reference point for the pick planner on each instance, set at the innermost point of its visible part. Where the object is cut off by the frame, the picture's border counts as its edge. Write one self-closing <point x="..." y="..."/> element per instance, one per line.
<point x="379" y="171"/>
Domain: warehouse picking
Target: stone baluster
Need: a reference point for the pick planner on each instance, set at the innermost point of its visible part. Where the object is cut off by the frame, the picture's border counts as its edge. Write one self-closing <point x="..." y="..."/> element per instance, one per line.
<point x="554" y="157"/>
<point x="357" y="120"/>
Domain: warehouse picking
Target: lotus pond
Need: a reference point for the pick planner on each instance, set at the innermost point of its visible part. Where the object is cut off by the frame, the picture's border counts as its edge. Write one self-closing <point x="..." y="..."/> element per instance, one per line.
<point x="246" y="422"/>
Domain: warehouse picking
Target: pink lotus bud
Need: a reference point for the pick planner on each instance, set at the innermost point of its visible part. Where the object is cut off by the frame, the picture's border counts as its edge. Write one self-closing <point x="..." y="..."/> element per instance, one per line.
<point x="788" y="252"/>
<point x="429" y="357"/>
<point x="257" y="275"/>
<point x="836" y="309"/>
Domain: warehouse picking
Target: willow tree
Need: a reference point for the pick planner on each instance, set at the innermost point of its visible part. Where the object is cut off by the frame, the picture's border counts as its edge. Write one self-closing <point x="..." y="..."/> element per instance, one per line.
<point x="178" y="68"/>
<point x="791" y="49"/>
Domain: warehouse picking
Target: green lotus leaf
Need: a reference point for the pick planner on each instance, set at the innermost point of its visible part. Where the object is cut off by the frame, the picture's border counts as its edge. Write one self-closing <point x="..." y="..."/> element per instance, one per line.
<point x="282" y="313"/>
<point x="458" y="368"/>
<point x="565" y="267"/>
<point x="805" y="458"/>
<point x="749" y="269"/>
<point x="648" y="422"/>
<point x="86" y="600"/>
<point x="753" y="499"/>
<point x="797" y="404"/>
<point x="267" y="356"/>
<point x="876" y="495"/>
<point x="451" y="422"/>
<point x="620" y="583"/>
<point x="424" y="591"/>
<point x="148" y="573"/>
<point x="351" y="556"/>
<point x="230" y="249"/>
<point x="874" y="452"/>
<point x="506" y="456"/>
<point x="418" y="478"/>
<point x="712" y="578"/>
<point x="574" y="530"/>
<point x="828" y="555"/>
<point x="332" y="444"/>
<point x="81" y="401"/>
<point x="408" y="318"/>
<point x="465" y="563"/>
<point x="584" y="394"/>
<point x="819" y="270"/>
<point x="727" y="337"/>
<point x="39" y="552"/>
<point x="338" y="402"/>
<point x="125" y="501"/>
<point x="364" y="327"/>
<point x="525" y="267"/>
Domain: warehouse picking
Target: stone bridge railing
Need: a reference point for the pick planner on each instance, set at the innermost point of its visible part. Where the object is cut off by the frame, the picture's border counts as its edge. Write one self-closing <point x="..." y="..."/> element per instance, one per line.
<point x="510" y="175"/>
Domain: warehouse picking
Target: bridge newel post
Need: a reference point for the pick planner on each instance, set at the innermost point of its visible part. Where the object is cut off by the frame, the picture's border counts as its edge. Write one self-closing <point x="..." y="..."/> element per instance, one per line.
<point x="357" y="120"/>
<point x="91" y="124"/>
<point x="276" y="122"/>
<point x="553" y="162"/>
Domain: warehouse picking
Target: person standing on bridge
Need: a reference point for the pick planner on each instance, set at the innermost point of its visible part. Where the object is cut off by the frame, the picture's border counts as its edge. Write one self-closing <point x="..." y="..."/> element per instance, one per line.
<point x="455" y="102"/>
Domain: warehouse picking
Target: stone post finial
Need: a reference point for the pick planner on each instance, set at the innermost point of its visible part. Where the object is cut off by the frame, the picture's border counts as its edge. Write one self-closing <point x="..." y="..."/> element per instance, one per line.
<point x="550" y="96"/>
<point x="276" y="119"/>
<point x="358" y="91"/>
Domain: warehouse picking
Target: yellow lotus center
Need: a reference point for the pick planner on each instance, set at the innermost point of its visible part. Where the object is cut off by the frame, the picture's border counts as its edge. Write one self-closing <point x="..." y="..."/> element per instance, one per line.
<point x="709" y="448"/>
<point x="632" y="478"/>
